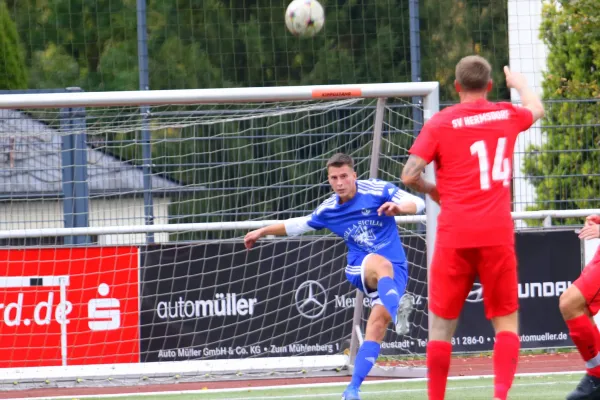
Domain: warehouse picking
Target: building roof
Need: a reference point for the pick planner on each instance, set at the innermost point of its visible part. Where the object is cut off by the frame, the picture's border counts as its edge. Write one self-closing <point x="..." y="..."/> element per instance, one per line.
<point x="31" y="163"/>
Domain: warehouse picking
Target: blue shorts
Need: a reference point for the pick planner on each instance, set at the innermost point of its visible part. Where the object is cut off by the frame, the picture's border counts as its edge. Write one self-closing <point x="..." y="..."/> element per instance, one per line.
<point x="356" y="276"/>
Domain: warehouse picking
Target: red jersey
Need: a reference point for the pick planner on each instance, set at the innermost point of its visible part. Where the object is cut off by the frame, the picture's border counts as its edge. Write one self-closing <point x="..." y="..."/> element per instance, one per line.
<point x="472" y="145"/>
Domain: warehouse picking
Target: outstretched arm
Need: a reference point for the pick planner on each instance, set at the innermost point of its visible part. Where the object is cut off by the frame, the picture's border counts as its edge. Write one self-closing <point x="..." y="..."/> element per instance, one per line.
<point x="291" y="227"/>
<point x="412" y="176"/>
<point x="253" y="236"/>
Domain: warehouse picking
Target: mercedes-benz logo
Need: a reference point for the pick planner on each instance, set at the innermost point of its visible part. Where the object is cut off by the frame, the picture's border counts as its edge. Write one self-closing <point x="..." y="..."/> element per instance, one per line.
<point x="311" y="299"/>
<point x="476" y="294"/>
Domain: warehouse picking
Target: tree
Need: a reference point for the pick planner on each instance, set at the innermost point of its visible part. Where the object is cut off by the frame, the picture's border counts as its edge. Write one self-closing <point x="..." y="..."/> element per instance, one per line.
<point x="233" y="43"/>
<point x="91" y="44"/>
<point x="452" y="29"/>
<point x="242" y="43"/>
<point x="565" y="169"/>
<point x="13" y="72"/>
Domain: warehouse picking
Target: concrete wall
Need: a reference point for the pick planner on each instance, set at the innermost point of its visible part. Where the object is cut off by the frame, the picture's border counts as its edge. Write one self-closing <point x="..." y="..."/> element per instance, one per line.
<point x="36" y="214"/>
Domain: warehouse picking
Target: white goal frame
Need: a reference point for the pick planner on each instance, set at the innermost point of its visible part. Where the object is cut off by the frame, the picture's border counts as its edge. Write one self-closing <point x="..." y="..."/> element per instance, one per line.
<point x="429" y="91"/>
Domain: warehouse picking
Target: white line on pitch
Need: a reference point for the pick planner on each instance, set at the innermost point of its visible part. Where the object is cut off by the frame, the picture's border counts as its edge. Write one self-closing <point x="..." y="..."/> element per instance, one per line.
<point x="368" y="394"/>
<point x="328" y="384"/>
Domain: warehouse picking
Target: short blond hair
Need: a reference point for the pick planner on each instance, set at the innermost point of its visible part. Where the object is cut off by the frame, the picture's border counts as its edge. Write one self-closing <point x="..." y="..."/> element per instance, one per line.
<point x="473" y="73"/>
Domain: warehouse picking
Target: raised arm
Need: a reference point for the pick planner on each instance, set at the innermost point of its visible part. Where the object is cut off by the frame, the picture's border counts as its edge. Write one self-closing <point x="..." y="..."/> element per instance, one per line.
<point x="529" y="99"/>
<point x="591" y="230"/>
<point x="412" y="176"/>
<point x="593" y="219"/>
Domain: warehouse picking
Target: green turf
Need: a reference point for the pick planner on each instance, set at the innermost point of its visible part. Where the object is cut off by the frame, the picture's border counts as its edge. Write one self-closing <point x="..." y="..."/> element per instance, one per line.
<point x="553" y="387"/>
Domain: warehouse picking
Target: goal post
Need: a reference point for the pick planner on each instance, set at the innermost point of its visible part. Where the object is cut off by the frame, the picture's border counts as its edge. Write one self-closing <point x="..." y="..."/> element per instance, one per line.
<point x="207" y="147"/>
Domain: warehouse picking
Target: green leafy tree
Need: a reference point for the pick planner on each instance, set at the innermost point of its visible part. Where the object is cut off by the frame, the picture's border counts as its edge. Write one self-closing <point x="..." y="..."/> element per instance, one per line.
<point x="233" y="43"/>
<point x="13" y="72"/>
<point x="452" y="29"/>
<point x="565" y="168"/>
<point x="243" y="43"/>
<point x="94" y="40"/>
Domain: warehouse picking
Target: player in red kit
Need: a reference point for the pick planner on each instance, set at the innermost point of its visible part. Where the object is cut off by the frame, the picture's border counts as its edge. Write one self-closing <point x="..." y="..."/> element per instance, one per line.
<point x="578" y="304"/>
<point x="472" y="145"/>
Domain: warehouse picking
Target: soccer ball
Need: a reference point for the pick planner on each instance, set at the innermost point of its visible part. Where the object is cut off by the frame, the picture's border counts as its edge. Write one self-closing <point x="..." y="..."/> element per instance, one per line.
<point x="304" y="18"/>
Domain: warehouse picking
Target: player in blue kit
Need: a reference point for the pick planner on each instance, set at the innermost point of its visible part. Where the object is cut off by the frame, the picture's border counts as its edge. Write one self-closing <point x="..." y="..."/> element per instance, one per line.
<point x="362" y="213"/>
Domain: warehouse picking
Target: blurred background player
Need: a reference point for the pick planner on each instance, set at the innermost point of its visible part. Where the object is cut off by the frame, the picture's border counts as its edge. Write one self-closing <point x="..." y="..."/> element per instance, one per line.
<point x="362" y="213"/>
<point x="578" y="304"/>
<point x="472" y="145"/>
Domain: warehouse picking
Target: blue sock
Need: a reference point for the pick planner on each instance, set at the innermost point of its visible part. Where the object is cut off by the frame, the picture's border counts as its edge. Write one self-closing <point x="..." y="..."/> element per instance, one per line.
<point x="388" y="293"/>
<point x="365" y="359"/>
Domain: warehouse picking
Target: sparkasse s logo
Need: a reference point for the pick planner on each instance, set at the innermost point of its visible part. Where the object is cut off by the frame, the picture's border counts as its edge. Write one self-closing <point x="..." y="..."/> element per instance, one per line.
<point x="104" y="314"/>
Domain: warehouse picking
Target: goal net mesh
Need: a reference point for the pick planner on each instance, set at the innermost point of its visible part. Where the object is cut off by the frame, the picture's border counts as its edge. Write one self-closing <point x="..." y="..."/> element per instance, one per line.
<point x="192" y="294"/>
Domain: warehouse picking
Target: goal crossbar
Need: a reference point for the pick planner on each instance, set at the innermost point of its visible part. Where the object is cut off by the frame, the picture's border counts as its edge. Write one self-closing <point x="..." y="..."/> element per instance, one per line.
<point x="211" y="96"/>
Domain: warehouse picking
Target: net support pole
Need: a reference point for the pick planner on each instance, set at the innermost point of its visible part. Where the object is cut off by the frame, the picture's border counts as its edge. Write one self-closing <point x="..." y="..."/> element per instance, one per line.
<point x="74" y="171"/>
<point x="145" y="112"/>
<point x="415" y="60"/>
<point x="63" y="321"/>
<point x="68" y="179"/>
<point x="373" y="170"/>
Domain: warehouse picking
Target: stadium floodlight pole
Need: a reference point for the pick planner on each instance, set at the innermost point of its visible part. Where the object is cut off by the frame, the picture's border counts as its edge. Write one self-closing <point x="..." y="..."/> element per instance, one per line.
<point x="373" y="171"/>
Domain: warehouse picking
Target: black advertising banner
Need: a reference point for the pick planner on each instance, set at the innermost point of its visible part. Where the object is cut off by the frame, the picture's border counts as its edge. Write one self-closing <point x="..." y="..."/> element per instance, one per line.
<point x="282" y="298"/>
<point x="548" y="263"/>
<point x="290" y="297"/>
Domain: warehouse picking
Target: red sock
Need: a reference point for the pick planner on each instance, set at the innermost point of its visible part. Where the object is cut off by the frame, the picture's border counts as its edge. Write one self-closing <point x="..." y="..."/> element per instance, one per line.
<point x="438" y="365"/>
<point x="586" y="337"/>
<point x="506" y="357"/>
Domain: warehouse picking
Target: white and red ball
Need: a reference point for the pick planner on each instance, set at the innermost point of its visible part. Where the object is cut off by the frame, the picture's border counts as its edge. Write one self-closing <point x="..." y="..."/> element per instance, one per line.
<point x="305" y="18"/>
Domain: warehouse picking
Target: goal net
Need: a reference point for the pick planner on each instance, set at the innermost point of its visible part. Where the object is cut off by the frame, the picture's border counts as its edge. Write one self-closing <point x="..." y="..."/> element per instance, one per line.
<point x="124" y="222"/>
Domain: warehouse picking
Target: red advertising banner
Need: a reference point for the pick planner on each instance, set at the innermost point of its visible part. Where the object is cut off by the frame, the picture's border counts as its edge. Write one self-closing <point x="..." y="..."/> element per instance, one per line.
<point x="69" y="306"/>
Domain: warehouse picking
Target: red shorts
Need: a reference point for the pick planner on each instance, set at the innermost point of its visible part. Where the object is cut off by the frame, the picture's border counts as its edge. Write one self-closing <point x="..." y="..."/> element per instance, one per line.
<point x="588" y="284"/>
<point x="453" y="272"/>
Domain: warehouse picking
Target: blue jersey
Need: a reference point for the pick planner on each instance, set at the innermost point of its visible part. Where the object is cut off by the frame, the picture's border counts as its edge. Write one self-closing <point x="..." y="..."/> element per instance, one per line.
<point x="357" y="222"/>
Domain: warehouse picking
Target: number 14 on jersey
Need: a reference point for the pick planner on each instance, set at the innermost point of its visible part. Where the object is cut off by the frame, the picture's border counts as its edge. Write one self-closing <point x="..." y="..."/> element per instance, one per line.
<point x="502" y="166"/>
